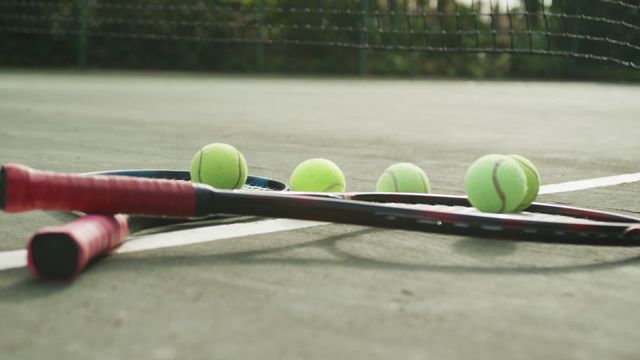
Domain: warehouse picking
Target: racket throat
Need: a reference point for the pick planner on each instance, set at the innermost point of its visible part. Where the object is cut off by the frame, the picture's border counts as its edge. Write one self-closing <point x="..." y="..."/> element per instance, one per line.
<point x="206" y="202"/>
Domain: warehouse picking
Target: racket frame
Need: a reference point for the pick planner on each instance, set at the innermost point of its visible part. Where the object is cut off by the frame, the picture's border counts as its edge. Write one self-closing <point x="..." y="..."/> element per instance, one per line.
<point x="118" y="194"/>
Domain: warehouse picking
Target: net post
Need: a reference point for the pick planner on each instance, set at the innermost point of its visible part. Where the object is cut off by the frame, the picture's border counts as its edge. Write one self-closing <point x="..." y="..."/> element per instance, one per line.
<point x="262" y="34"/>
<point x="364" y="39"/>
<point x="83" y="24"/>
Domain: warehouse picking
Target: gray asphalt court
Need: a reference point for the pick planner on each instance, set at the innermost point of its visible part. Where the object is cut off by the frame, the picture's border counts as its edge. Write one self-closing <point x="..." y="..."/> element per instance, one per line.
<point x="332" y="291"/>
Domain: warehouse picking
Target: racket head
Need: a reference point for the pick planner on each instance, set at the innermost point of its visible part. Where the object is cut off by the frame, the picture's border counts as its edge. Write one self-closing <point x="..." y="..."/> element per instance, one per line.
<point x="60" y="253"/>
<point x="445" y="214"/>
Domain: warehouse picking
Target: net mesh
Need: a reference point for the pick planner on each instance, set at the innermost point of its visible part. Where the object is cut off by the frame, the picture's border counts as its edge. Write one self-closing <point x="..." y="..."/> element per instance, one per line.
<point x="599" y="30"/>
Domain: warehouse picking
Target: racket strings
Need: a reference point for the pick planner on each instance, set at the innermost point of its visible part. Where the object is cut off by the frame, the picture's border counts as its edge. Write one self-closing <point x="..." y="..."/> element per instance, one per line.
<point x="248" y="187"/>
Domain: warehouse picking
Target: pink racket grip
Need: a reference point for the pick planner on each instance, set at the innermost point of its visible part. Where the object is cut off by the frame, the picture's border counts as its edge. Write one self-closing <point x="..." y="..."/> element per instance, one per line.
<point x="60" y="253"/>
<point x="24" y="189"/>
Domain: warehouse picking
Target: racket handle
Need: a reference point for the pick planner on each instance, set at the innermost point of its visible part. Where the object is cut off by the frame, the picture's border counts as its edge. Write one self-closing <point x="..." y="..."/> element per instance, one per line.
<point x="24" y="189"/>
<point x="59" y="253"/>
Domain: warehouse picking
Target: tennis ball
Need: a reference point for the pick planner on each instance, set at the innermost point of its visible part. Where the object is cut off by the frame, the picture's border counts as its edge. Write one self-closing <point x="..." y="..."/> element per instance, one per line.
<point x="219" y="165"/>
<point x="319" y="175"/>
<point x="403" y="177"/>
<point x="532" y="178"/>
<point x="495" y="183"/>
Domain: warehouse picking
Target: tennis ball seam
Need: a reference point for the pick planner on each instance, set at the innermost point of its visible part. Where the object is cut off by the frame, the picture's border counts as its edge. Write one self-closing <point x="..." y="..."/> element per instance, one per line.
<point x="532" y="179"/>
<point x="214" y="165"/>
<point x="497" y="187"/>
<point x="396" y="186"/>
<point x="394" y="179"/>
<point x="318" y="174"/>
<point x="527" y="166"/>
<point x="200" y="155"/>
<point x="334" y="185"/>
<point x="424" y="182"/>
<point x="242" y="172"/>
<point x="239" y="161"/>
<point x="403" y="177"/>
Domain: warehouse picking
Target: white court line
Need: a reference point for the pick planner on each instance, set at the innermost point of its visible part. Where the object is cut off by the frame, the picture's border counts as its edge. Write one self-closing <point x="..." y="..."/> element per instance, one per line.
<point x="212" y="233"/>
<point x="13" y="259"/>
<point x="18" y="258"/>
<point x="589" y="183"/>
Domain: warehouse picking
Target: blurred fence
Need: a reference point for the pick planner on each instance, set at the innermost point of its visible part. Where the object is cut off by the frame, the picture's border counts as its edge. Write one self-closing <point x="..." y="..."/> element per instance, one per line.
<point x="338" y="36"/>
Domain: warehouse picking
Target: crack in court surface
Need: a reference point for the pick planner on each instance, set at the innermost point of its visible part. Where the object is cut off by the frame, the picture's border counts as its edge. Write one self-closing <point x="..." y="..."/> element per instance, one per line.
<point x="18" y="258"/>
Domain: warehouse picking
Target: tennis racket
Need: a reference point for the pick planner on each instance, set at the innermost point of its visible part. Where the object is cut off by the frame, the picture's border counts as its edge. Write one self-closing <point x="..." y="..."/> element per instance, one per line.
<point x="23" y="189"/>
<point x="59" y="253"/>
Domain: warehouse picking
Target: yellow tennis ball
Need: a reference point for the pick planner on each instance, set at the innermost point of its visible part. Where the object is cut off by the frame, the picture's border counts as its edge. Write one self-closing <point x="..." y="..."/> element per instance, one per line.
<point x="219" y="165"/>
<point x="533" y="181"/>
<point x="318" y="175"/>
<point x="403" y="177"/>
<point x="495" y="183"/>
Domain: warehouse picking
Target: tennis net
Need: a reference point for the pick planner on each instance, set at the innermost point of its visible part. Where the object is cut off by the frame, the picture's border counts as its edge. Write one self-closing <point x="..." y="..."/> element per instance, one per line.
<point x="602" y="31"/>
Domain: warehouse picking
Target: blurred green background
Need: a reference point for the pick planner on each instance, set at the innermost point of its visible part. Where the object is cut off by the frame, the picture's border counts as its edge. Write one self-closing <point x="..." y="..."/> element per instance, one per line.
<point x="587" y="39"/>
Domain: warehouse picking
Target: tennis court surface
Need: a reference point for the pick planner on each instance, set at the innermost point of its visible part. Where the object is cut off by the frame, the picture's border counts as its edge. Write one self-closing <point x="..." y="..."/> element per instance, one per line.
<point x="272" y="288"/>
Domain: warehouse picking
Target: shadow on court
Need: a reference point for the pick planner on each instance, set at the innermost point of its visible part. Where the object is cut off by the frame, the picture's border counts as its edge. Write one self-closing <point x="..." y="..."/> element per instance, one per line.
<point x="28" y="289"/>
<point x="487" y="251"/>
<point x="483" y="249"/>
